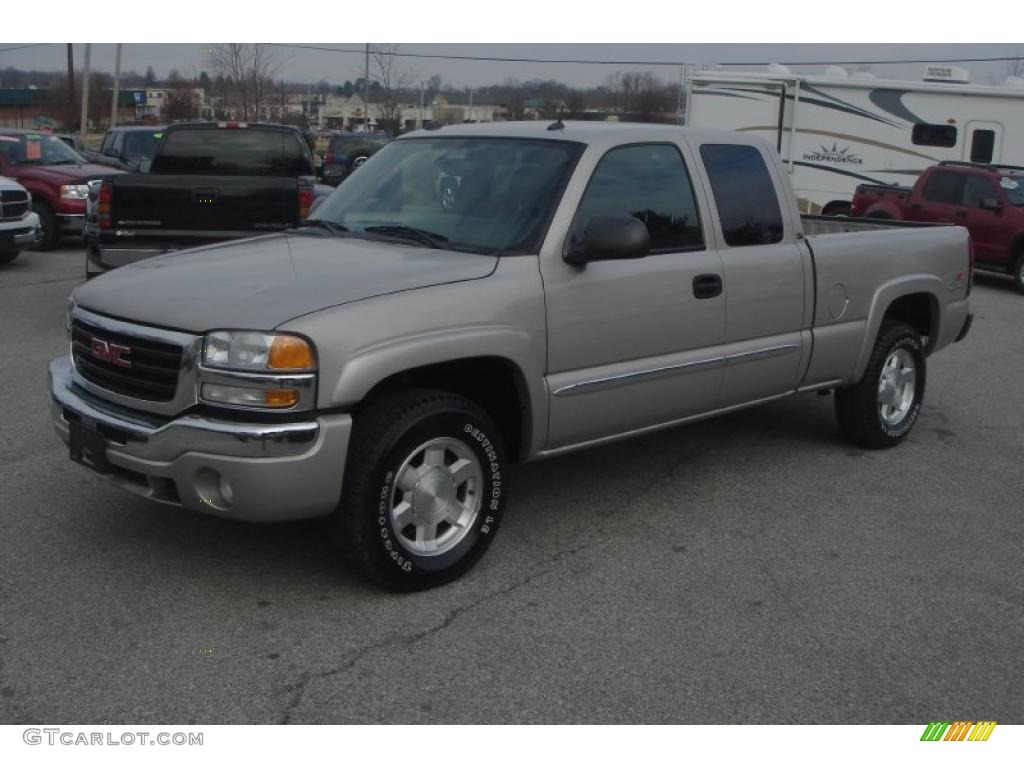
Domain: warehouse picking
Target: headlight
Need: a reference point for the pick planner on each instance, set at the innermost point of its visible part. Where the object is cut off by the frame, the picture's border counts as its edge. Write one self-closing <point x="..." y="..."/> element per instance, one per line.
<point x="74" y="191"/>
<point x="254" y="351"/>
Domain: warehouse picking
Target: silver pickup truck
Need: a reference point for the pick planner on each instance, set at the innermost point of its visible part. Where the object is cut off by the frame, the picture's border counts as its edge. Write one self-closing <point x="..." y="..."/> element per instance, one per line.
<point x="480" y="295"/>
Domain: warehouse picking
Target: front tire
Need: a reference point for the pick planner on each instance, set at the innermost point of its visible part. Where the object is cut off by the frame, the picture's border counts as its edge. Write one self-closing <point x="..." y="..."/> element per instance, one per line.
<point x="883" y="407"/>
<point x="424" y="489"/>
<point x="49" y="235"/>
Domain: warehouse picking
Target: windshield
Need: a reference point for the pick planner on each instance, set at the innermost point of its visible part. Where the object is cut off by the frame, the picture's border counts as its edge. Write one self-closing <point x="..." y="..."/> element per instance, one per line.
<point x="1013" y="186"/>
<point x="139" y="145"/>
<point x="481" y="195"/>
<point x="37" y="149"/>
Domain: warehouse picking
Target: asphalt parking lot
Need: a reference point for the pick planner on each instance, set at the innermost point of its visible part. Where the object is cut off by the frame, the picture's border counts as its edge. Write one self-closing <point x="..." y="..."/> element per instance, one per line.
<point x="749" y="569"/>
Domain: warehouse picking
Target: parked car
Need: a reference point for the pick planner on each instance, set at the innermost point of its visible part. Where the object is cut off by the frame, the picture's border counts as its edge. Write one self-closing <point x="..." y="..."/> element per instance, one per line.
<point x="19" y="226"/>
<point x="56" y="176"/>
<point x="385" y="363"/>
<point x="207" y="182"/>
<point x="986" y="199"/>
<point x="130" y="147"/>
<point x="348" y="151"/>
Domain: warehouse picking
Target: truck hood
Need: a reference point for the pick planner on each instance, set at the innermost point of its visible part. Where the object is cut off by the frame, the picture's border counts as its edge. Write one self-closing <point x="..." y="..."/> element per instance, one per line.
<point x="263" y="282"/>
<point x="65" y="174"/>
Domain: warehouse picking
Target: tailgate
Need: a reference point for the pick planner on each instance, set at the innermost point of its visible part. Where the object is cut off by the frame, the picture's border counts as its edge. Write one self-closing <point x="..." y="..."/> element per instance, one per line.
<point x="169" y="203"/>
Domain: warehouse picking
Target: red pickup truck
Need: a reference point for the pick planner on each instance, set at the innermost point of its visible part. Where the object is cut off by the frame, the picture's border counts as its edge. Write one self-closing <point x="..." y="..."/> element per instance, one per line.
<point x="986" y="199"/>
<point x="55" y="174"/>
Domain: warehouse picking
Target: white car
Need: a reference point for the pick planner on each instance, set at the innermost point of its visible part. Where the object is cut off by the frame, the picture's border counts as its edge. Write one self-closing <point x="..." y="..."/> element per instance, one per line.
<point x="19" y="226"/>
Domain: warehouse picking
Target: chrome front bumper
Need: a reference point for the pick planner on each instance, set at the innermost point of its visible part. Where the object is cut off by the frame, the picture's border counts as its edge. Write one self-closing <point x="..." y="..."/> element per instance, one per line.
<point x="247" y="471"/>
<point x="24" y="232"/>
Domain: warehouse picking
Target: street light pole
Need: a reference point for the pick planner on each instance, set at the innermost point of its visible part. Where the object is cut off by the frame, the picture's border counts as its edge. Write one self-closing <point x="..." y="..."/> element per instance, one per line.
<point x="71" y="86"/>
<point x="366" y="91"/>
<point x="83" y="125"/>
<point x="117" y="87"/>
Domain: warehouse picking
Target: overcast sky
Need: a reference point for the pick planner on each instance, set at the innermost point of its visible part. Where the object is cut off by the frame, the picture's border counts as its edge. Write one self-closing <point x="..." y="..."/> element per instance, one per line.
<point x="310" y="66"/>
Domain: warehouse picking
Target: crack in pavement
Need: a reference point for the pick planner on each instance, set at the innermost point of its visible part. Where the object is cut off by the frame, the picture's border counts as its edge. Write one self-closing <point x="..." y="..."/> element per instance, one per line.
<point x="299" y="688"/>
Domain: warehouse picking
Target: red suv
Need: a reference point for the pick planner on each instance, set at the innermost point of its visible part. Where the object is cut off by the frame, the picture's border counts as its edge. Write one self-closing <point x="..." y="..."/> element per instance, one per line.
<point x="55" y="174"/>
<point x="986" y="199"/>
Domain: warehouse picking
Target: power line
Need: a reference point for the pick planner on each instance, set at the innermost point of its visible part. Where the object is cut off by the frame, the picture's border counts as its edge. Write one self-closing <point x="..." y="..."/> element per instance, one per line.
<point x="23" y="47"/>
<point x="528" y="60"/>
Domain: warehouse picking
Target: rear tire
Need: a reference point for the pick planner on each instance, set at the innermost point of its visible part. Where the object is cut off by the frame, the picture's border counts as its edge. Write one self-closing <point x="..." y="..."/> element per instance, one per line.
<point x="424" y="489"/>
<point x="836" y="209"/>
<point x="49" y="235"/>
<point x="8" y="256"/>
<point x="881" y="409"/>
<point x="1018" y="273"/>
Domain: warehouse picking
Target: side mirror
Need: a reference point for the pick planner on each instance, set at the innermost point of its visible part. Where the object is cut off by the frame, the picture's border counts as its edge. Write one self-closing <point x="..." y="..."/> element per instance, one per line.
<point x="611" y="237"/>
<point x="109" y="152"/>
<point x="991" y="204"/>
<point x="317" y="202"/>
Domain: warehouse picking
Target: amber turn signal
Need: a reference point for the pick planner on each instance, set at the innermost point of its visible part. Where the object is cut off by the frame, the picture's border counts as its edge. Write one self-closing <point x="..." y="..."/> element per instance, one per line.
<point x="280" y="398"/>
<point x="290" y="353"/>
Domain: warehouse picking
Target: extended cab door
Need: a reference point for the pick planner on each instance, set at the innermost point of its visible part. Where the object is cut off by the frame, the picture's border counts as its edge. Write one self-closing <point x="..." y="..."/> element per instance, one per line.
<point x="766" y="275"/>
<point x="635" y="343"/>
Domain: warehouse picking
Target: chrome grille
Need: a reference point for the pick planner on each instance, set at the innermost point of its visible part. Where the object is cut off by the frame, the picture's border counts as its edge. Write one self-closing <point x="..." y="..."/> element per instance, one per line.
<point x="152" y="371"/>
<point x="13" y="204"/>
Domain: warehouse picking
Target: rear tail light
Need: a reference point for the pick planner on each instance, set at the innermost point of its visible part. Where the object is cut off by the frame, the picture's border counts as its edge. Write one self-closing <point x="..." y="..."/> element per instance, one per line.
<point x="305" y="198"/>
<point x="103" y="205"/>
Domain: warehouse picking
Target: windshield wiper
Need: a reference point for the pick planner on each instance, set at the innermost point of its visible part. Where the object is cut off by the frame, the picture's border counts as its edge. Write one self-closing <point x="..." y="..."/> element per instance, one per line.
<point x="65" y="162"/>
<point x="424" y="236"/>
<point x="330" y="226"/>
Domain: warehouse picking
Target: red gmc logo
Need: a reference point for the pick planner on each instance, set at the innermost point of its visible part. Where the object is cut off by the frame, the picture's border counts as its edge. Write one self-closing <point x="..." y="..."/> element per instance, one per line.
<point x="111" y="353"/>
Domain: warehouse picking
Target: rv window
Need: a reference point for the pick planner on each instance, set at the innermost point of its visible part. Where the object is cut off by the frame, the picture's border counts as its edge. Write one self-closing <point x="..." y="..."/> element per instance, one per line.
<point x="649" y="182"/>
<point x="748" y="204"/>
<point x="943" y="187"/>
<point x="982" y="144"/>
<point x="934" y="135"/>
<point x="976" y="189"/>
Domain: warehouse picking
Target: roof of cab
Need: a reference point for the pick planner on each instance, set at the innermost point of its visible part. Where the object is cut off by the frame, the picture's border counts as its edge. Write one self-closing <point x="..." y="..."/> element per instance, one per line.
<point x="585" y="132"/>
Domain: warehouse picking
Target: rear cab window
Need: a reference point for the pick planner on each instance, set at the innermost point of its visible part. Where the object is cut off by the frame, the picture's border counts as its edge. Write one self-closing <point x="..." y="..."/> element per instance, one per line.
<point x="233" y="152"/>
<point x="747" y="201"/>
<point x="649" y="182"/>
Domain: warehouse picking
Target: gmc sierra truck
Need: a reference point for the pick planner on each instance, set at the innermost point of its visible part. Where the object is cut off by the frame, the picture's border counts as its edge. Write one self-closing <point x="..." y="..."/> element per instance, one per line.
<point x="385" y="363"/>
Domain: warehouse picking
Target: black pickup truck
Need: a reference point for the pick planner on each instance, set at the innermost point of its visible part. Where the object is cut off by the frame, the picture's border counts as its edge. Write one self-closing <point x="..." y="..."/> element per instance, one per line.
<point x="208" y="182"/>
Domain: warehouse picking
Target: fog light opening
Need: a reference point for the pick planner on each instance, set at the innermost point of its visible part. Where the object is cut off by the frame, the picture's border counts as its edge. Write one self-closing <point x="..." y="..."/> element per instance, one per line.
<point x="213" y="489"/>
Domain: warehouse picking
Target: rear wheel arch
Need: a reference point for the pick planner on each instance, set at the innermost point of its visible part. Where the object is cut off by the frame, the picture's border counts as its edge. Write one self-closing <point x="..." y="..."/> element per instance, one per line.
<point x="918" y="310"/>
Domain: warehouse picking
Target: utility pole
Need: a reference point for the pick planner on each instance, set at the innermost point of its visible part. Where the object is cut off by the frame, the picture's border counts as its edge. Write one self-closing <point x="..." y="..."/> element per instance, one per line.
<point x="682" y="94"/>
<point x="423" y="87"/>
<point x="83" y="126"/>
<point x="366" y="91"/>
<point x="117" y="87"/>
<point x="71" y="86"/>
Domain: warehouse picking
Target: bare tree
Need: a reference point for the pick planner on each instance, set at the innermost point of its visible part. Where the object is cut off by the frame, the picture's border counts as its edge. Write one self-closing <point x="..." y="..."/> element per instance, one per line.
<point x="247" y="69"/>
<point x="391" y="80"/>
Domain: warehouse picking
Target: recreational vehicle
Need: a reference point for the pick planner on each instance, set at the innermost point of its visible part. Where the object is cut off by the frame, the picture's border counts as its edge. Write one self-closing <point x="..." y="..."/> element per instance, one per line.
<point x="836" y="131"/>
